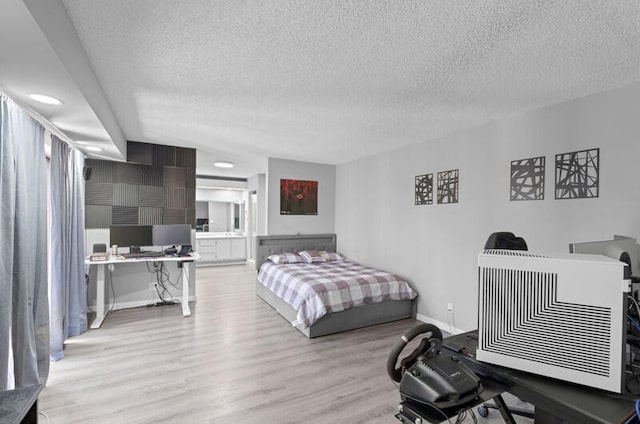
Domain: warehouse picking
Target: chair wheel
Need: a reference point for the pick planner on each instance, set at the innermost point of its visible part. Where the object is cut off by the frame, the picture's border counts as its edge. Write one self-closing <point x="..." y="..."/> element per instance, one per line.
<point x="483" y="411"/>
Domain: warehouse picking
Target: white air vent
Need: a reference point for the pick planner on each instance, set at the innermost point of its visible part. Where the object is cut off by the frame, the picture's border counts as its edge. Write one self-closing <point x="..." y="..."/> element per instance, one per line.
<point x="562" y="317"/>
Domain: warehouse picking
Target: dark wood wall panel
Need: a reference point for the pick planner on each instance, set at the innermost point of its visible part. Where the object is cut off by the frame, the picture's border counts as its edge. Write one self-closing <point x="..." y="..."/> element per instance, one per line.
<point x="156" y="186"/>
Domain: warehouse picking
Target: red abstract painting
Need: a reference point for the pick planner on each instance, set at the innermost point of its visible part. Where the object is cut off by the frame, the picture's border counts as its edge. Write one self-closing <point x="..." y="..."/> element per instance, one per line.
<point x="298" y="197"/>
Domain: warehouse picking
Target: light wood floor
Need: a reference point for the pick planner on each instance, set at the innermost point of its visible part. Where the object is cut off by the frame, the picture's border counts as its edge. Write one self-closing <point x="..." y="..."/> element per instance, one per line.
<point x="235" y="360"/>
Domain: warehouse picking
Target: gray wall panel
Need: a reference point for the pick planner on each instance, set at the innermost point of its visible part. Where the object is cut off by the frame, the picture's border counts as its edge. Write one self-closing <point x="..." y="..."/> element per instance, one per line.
<point x="97" y="216"/>
<point x="127" y="173"/>
<point x="186" y="158"/>
<point x="125" y="195"/>
<point x="175" y="198"/>
<point x="124" y="215"/>
<point x="98" y="193"/>
<point x="164" y="155"/>
<point x="151" y="175"/>
<point x="174" y="177"/>
<point x="150" y="216"/>
<point x="174" y="216"/>
<point x="151" y="196"/>
<point x="139" y="152"/>
<point x="101" y="171"/>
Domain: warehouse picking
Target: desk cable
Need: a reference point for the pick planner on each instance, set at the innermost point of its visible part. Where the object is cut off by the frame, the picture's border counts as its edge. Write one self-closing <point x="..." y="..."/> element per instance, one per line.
<point x="163" y="278"/>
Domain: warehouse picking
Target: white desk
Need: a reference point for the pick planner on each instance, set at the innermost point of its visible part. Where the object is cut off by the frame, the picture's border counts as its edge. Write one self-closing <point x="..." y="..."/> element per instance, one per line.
<point x="101" y="312"/>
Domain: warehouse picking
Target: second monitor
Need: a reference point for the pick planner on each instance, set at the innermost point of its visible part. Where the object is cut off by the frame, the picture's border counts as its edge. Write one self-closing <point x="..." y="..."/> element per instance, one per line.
<point x="171" y="235"/>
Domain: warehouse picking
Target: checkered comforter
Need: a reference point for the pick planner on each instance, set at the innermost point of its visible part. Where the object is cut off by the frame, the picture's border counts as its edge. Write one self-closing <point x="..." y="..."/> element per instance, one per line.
<point x="319" y="288"/>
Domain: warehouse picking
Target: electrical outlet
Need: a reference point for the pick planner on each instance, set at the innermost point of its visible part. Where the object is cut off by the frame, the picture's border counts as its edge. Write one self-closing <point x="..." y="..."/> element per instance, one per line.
<point x="153" y="285"/>
<point x="449" y="307"/>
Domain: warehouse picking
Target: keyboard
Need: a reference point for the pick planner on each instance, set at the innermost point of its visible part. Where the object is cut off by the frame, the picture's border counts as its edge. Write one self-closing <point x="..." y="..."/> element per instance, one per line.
<point x="153" y="254"/>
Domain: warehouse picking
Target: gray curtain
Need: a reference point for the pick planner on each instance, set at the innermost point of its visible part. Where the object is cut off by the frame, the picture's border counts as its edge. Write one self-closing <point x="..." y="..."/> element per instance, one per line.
<point x="24" y="311"/>
<point x="67" y="286"/>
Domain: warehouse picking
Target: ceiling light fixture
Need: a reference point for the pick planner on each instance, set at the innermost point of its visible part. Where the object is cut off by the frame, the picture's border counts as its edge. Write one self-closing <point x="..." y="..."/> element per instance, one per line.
<point x="93" y="149"/>
<point x="223" y="164"/>
<point x="45" y="99"/>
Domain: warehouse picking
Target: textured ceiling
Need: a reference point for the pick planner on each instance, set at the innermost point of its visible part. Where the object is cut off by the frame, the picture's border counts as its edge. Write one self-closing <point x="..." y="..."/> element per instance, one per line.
<point x="330" y="81"/>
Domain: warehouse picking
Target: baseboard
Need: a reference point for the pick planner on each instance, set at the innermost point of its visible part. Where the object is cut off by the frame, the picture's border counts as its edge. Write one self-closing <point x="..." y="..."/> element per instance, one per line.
<point x="441" y="325"/>
<point x="201" y="264"/>
<point x="135" y="304"/>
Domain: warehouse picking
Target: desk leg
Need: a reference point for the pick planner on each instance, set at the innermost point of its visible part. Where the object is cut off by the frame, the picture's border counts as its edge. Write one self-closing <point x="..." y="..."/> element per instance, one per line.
<point x="100" y="307"/>
<point x="504" y="410"/>
<point x="185" y="290"/>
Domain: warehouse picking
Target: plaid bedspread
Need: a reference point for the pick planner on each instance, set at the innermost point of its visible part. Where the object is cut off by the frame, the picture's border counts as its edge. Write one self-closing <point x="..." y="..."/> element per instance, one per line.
<point x="319" y="288"/>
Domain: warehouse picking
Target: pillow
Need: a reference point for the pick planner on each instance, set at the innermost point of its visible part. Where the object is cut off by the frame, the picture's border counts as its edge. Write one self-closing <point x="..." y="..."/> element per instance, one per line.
<point x="312" y="256"/>
<point x="286" y="258"/>
<point x="331" y="256"/>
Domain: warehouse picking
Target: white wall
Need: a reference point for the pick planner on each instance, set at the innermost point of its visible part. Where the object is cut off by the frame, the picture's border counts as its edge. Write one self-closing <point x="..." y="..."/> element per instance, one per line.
<point x="436" y="246"/>
<point x="322" y="223"/>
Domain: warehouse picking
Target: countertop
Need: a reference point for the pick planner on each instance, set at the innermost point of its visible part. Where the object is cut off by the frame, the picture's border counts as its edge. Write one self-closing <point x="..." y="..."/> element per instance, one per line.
<point x="210" y="235"/>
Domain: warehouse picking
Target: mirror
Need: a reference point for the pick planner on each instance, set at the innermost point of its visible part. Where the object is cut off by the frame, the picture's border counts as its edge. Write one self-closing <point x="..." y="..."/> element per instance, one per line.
<point x="220" y="216"/>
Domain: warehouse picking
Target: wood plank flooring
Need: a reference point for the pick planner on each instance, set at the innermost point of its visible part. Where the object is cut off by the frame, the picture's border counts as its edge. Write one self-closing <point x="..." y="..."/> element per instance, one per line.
<point x="235" y="360"/>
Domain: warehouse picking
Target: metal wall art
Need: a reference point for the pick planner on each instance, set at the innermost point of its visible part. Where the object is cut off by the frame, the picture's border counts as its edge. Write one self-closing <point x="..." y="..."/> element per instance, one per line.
<point x="424" y="189"/>
<point x="448" y="186"/>
<point x="578" y="174"/>
<point x="527" y="179"/>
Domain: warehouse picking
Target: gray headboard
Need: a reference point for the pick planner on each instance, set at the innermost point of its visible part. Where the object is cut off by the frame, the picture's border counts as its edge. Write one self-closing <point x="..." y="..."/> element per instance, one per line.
<point x="267" y="245"/>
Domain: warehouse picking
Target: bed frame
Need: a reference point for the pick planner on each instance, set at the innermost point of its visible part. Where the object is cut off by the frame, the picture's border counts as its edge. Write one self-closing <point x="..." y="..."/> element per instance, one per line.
<point x="335" y="322"/>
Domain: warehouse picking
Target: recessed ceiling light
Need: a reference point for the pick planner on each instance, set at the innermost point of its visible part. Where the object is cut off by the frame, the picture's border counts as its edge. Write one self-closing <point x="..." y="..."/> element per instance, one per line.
<point x="223" y="164"/>
<point x="45" y="99"/>
<point x="93" y="149"/>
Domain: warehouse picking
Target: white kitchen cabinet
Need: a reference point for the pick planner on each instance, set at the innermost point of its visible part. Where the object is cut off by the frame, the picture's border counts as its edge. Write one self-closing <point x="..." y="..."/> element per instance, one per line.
<point x="221" y="249"/>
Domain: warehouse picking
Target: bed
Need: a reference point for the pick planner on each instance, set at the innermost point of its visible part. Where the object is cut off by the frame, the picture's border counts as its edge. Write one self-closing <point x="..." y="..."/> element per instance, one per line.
<point x="332" y="321"/>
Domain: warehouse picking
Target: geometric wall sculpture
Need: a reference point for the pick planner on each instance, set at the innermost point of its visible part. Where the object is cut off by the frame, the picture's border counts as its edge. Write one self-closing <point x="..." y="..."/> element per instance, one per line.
<point x="155" y="186"/>
<point x="448" y="186"/>
<point x="424" y="189"/>
<point x="577" y="174"/>
<point x="527" y="179"/>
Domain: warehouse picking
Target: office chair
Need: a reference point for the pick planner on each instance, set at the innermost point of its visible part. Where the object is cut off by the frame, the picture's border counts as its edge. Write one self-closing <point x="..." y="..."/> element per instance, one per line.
<point x="509" y="241"/>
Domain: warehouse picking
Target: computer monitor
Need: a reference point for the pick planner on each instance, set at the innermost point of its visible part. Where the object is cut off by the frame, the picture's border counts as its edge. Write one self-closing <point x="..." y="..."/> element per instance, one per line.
<point x="621" y="248"/>
<point x="171" y="235"/>
<point x="130" y="235"/>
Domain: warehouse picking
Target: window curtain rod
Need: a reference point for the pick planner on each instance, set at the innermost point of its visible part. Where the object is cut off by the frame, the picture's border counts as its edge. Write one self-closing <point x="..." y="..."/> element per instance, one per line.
<point x="41" y="119"/>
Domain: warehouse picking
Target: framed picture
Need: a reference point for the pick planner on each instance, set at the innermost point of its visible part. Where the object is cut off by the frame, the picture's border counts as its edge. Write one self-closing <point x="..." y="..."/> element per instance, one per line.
<point x="298" y="197"/>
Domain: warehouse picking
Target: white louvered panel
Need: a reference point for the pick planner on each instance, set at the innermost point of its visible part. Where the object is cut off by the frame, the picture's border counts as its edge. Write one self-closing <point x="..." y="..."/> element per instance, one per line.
<point x="562" y="317"/>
